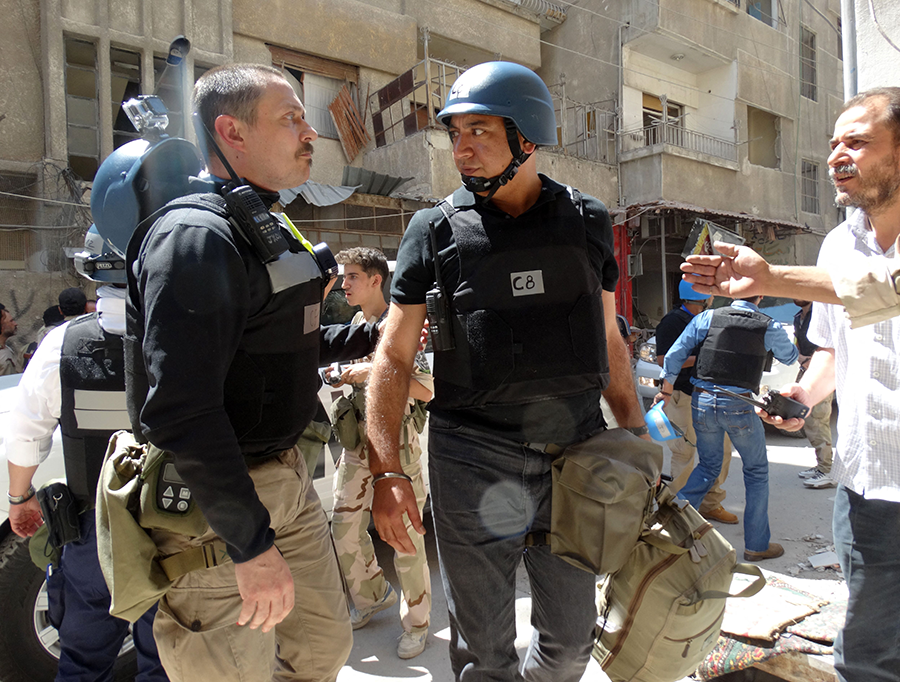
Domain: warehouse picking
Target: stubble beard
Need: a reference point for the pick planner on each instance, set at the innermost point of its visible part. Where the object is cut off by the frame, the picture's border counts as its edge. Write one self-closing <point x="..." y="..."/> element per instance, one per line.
<point x="882" y="187"/>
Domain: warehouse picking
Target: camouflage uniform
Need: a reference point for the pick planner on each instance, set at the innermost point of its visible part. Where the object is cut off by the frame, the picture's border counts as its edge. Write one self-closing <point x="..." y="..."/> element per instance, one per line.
<point x="353" y="492"/>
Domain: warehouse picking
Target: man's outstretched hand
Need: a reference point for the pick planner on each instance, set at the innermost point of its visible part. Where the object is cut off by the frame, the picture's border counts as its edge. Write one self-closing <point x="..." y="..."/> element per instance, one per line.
<point x="739" y="272"/>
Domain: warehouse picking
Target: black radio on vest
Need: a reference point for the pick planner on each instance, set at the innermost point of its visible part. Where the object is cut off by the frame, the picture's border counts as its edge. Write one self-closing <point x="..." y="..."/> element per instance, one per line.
<point x="437" y="305"/>
<point x="250" y="214"/>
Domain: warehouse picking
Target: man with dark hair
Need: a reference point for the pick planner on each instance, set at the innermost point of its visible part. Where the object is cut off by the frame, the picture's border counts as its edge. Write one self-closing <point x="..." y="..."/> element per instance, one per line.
<point x="527" y="342"/>
<point x="731" y="344"/>
<point x="365" y="271"/>
<point x="8" y="326"/>
<point x="72" y="302"/>
<point x="222" y="348"/>
<point x="678" y="407"/>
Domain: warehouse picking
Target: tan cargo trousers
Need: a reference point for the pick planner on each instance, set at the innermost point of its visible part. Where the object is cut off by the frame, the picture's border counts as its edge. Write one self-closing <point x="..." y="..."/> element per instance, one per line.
<point x="353" y="493"/>
<point x="196" y="627"/>
<point x="683" y="461"/>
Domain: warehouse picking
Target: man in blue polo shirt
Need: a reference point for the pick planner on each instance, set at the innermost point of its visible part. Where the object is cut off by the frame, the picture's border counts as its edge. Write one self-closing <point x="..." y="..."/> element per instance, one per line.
<point x="734" y="342"/>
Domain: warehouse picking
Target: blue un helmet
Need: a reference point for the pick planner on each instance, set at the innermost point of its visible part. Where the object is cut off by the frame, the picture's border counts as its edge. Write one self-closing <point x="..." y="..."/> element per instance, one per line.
<point x="99" y="262"/>
<point x="686" y="292"/>
<point x="137" y="179"/>
<point x="514" y="93"/>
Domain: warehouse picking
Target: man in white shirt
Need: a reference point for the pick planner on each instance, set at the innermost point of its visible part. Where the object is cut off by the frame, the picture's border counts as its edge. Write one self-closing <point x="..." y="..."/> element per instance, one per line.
<point x="78" y="370"/>
<point x="861" y="361"/>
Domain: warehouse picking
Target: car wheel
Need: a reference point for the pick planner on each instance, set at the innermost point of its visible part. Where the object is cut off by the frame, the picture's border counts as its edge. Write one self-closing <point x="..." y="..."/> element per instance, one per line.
<point x="29" y="644"/>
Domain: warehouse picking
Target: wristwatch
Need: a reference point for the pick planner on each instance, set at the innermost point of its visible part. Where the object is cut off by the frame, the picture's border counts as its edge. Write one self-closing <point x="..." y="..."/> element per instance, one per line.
<point x="21" y="499"/>
<point x="641" y="430"/>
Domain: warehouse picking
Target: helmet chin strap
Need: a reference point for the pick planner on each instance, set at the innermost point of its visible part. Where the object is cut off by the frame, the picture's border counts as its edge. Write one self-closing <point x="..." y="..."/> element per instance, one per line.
<point x="491" y="185"/>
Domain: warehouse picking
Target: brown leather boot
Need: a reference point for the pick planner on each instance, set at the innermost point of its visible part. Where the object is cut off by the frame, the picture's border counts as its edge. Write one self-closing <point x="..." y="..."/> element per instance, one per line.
<point x="720" y="514"/>
<point x="775" y="550"/>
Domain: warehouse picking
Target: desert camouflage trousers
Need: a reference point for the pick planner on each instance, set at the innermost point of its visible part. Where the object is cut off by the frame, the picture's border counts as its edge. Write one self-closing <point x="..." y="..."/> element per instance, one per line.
<point x="349" y="526"/>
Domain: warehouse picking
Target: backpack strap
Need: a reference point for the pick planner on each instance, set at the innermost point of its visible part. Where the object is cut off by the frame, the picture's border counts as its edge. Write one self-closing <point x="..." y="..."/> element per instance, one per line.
<point x="207" y="555"/>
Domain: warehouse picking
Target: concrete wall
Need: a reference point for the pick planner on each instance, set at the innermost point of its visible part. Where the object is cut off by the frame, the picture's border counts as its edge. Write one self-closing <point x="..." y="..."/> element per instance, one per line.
<point x="21" y="96"/>
<point x="876" y="58"/>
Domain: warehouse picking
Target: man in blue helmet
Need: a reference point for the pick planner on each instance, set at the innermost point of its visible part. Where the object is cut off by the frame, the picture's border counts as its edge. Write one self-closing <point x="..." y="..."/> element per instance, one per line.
<point x="678" y="407"/>
<point x="526" y="344"/>
<point x="76" y="380"/>
<point x="732" y="345"/>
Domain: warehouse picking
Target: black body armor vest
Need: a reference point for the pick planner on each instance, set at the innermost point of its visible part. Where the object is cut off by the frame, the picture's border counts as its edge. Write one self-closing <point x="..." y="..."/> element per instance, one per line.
<point x="734" y="352"/>
<point x="92" y="379"/>
<point x="527" y="314"/>
<point x="270" y="388"/>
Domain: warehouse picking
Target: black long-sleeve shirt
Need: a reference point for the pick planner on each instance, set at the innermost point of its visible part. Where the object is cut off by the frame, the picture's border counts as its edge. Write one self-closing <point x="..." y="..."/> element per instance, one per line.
<point x="205" y="318"/>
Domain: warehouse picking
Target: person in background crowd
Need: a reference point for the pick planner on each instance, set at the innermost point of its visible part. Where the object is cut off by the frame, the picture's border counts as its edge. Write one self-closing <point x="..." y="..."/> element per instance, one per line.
<point x="731" y="344"/>
<point x="9" y="363"/>
<point x="817" y="425"/>
<point x="678" y="407"/>
<point x="365" y="272"/>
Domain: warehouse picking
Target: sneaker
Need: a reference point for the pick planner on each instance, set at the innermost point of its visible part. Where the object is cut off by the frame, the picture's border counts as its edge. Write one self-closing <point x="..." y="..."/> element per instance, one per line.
<point x="412" y="644"/>
<point x="775" y="550"/>
<point x="808" y="473"/>
<point x="719" y="514"/>
<point x="820" y="480"/>
<point x="359" y="618"/>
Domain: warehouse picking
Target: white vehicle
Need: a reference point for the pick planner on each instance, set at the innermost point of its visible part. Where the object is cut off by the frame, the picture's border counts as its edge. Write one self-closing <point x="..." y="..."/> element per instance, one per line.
<point x="647" y="372"/>
<point x="29" y="644"/>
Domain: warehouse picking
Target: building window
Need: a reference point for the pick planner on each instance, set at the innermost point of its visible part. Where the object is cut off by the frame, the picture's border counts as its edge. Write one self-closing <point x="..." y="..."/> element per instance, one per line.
<point x="809" y="186"/>
<point x="317" y="82"/>
<point x="125" y="82"/>
<point x="764" y="10"/>
<point x="316" y="92"/>
<point x="764" y="138"/>
<point x="840" y="39"/>
<point x="808" y="64"/>
<point x="82" y="115"/>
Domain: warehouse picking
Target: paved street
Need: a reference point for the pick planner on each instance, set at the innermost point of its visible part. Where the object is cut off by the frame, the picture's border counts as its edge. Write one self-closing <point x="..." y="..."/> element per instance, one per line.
<point x="797" y="515"/>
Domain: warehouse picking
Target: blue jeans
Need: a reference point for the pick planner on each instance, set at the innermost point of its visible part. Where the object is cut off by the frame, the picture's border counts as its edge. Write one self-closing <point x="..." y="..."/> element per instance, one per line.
<point x="867" y="542"/>
<point x="89" y="637"/>
<point x="487" y="493"/>
<point x="714" y="416"/>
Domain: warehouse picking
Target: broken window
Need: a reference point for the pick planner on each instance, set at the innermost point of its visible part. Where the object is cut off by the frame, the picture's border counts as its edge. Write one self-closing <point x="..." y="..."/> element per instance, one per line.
<point x="125" y="82"/>
<point x="764" y="10"/>
<point x="82" y="114"/>
<point x="764" y="138"/>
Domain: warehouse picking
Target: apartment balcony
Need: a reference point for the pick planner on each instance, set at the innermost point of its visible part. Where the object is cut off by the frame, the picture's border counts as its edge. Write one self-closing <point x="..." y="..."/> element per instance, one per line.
<point x="674" y="138"/>
<point x="669" y="162"/>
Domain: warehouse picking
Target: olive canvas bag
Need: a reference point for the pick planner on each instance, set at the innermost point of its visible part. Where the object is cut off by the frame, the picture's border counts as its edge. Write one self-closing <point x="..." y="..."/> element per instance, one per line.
<point x="602" y="490"/>
<point x="660" y="614"/>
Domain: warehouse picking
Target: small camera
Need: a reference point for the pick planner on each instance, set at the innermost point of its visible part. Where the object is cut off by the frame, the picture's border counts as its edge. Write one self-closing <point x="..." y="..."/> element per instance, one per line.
<point x="334" y="378"/>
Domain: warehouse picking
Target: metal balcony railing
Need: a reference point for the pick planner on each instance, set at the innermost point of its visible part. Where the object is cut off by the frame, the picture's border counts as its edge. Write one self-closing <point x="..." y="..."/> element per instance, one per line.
<point x="678" y="136"/>
<point x="411" y="101"/>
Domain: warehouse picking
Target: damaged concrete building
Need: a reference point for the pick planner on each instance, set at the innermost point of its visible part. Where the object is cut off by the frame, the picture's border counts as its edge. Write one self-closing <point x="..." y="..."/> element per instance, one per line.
<point x="669" y="111"/>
